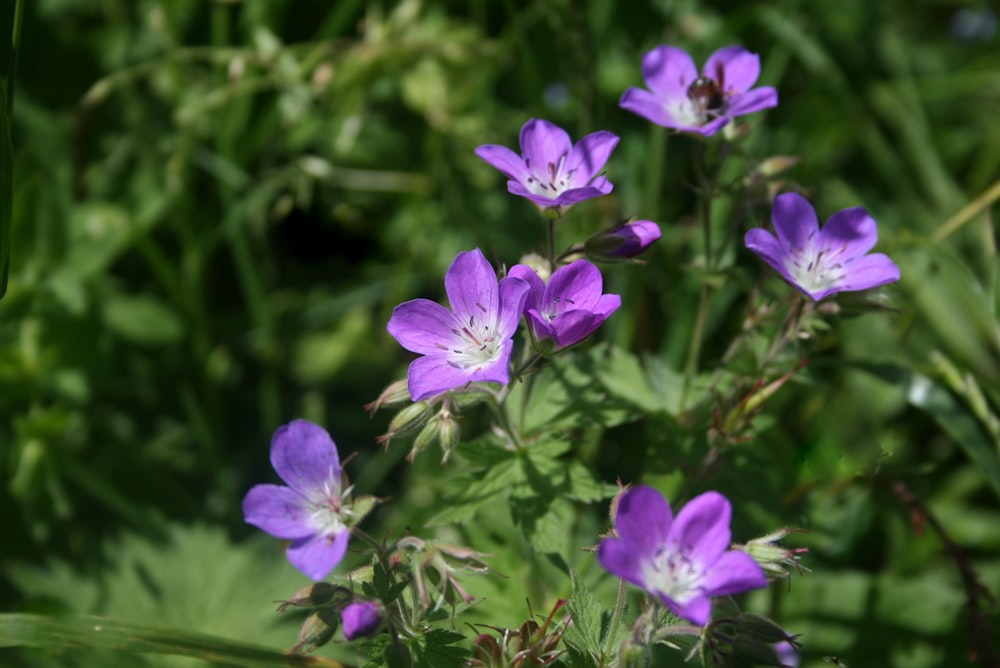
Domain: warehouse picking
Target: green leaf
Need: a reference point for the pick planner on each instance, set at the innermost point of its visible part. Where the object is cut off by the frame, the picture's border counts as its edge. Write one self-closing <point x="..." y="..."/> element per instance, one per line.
<point x="105" y="633"/>
<point x="6" y="188"/>
<point x="959" y="423"/>
<point x="143" y="319"/>
<point x="588" y="619"/>
<point x="437" y="649"/>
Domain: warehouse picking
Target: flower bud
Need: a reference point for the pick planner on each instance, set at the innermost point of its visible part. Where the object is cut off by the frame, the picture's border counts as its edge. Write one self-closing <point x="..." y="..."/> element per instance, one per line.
<point x="316" y="631"/>
<point x="310" y="596"/>
<point x="772" y="557"/>
<point x="361" y="618"/>
<point x="396" y="394"/>
<point x="622" y="241"/>
<point x="397" y="655"/>
<point x="405" y="421"/>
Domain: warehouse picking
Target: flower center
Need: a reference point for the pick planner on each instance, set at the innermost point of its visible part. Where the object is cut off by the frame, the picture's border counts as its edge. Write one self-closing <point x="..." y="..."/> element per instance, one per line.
<point x="325" y="508"/>
<point x="553" y="183"/>
<point x="555" y="308"/>
<point x="816" y="271"/>
<point x="705" y="101"/>
<point x="675" y="575"/>
<point x="476" y="343"/>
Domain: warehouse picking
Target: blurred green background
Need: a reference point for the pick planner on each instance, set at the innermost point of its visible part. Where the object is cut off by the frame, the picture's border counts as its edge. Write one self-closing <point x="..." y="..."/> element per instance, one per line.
<point x="217" y="205"/>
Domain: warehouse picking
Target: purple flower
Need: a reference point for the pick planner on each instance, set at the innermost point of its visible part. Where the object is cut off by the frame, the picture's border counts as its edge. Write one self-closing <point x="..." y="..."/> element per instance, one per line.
<point x="570" y="307"/>
<point x="470" y="343"/>
<point x="684" y="560"/>
<point x="622" y="241"/>
<point x="361" y="618"/>
<point x="308" y="511"/>
<point x="819" y="262"/>
<point x="553" y="172"/>
<point x="681" y="99"/>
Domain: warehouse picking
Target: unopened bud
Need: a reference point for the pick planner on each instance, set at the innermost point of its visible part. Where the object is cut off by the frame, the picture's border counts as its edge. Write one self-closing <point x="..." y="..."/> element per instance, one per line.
<point x="407" y="420"/>
<point x="310" y="596"/>
<point x="538" y="264"/>
<point x="316" y="631"/>
<point x="396" y="394"/>
<point x="361" y="618"/>
<point x="448" y="434"/>
<point x="622" y="241"/>
<point x="777" y="164"/>
<point x="775" y="559"/>
<point x="634" y="655"/>
<point x="397" y="655"/>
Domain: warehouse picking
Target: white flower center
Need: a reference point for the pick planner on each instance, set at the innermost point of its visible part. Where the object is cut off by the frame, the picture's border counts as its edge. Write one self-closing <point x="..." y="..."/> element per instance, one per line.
<point x="675" y="575"/>
<point x="816" y="271"/>
<point x="555" y="308"/>
<point x="551" y="184"/>
<point x="326" y="511"/>
<point x="476" y="343"/>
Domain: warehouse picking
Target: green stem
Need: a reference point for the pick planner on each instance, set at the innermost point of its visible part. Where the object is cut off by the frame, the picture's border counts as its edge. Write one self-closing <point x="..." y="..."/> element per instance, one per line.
<point x="15" y="47"/>
<point x="694" y="347"/>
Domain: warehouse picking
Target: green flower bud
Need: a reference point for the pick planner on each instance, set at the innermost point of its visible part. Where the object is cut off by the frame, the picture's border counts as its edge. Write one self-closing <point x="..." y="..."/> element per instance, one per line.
<point x="316" y="631"/>
<point x="310" y="596"/>
<point x="397" y="655"/>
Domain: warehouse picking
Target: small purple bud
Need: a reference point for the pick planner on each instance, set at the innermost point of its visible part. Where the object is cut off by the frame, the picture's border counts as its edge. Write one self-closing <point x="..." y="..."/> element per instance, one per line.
<point x="622" y="241"/>
<point x="361" y="618"/>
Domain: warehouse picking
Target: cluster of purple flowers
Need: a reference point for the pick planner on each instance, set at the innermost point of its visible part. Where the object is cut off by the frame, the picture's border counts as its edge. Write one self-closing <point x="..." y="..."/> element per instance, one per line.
<point x="684" y="560"/>
<point x="472" y="342"/>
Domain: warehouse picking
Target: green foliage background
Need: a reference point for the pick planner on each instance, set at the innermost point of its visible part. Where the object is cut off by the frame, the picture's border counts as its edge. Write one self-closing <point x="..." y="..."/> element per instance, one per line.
<point x="216" y="205"/>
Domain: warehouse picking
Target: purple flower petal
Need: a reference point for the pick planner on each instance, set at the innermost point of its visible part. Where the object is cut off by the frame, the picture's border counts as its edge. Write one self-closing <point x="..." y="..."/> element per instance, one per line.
<point x="504" y="160"/>
<point x="869" y="272"/>
<point x="849" y="234"/>
<point x="513" y="295"/>
<point x="733" y="67"/>
<point x="643" y="520"/>
<point x="589" y="156"/>
<point x="277" y="510"/>
<point x="575" y="326"/>
<point x="622" y="560"/>
<point x="471" y="286"/>
<point x="697" y="611"/>
<point x="795" y="222"/>
<point x="304" y="455"/>
<point x="543" y="144"/>
<point x="757" y="99"/>
<point x="668" y="71"/>
<point x="643" y="103"/>
<point x="317" y="555"/>
<point x="701" y="528"/>
<point x="769" y="249"/>
<point x="422" y="326"/>
<point x="733" y="573"/>
<point x="578" y="285"/>
<point x="536" y="285"/>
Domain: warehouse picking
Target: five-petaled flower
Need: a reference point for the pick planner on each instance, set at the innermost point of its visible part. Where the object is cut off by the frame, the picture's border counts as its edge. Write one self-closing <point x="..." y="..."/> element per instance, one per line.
<point x="821" y="262"/>
<point x="569" y="308"/>
<point x="310" y="511"/>
<point x="684" y="561"/>
<point x="471" y="342"/>
<point x="682" y="99"/>
<point x="553" y="171"/>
